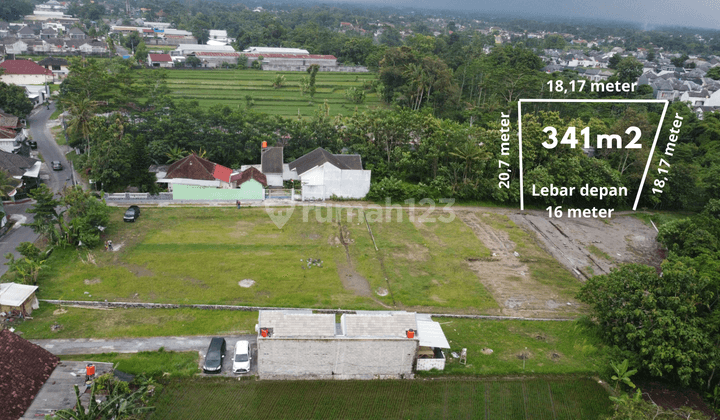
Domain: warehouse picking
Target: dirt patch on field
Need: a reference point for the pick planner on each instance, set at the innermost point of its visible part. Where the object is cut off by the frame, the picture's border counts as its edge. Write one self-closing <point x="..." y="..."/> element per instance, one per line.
<point x="353" y="281"/>
<point x="196" y="283"/>
<point x="508" y="278"/>
<point x="414" y="252"/>
<point x="590" y="247"/>
<point x="88" y="282"/>
<point x="139" y="270"/>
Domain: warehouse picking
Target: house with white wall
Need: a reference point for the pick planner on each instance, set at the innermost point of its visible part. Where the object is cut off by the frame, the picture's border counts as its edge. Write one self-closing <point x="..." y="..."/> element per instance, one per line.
<point x="324" y="175"/>
<point x="24" y="72"/>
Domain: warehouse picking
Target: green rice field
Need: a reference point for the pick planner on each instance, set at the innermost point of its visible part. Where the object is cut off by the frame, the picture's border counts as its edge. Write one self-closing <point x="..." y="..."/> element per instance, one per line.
<point x="230" y="87"/>
<point x="536" y="398"/>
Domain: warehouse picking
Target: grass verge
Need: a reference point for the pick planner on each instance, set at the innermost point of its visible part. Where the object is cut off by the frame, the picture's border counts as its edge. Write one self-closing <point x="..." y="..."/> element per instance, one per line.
<point x="541" y="398"/>
<point x="545" y="347"/>
<point x="118" y="323"/>
<point x="151" y="363"/>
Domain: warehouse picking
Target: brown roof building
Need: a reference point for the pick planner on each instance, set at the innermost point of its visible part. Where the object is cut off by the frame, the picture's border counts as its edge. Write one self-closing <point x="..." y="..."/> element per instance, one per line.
<point x="24" y="368"/>
<point x="192" y="167"/>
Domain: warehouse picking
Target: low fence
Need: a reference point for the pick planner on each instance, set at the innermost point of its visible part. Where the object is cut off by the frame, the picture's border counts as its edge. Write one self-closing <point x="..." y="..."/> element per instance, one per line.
<point x="263" y="308"/>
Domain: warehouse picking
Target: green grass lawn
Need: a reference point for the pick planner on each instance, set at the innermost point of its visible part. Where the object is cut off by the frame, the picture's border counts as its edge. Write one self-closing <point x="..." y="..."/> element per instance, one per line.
<point x="532" y="398"/>
<point x="118" y="323"/>
<point x="548" y="347"/>
<point x="151" y="363"/>
<point x="230" y="87"/>
<point x="199" y="255"/>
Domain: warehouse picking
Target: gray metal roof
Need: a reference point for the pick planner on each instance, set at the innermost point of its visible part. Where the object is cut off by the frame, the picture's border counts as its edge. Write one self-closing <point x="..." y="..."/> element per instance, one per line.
<point x="297" y="323"/>
<point x="320" y="156"/>
<point x="378" y="325"/>
<point x="272" y="160"/>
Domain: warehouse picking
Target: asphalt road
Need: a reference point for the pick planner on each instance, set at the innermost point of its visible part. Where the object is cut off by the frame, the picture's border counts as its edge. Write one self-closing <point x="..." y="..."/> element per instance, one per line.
<point x="50" y="151"/>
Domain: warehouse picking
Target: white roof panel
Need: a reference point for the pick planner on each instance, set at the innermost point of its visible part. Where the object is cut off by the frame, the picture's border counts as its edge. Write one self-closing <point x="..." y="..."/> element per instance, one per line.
<point x="431" y="334"/>
<point x="13" y="294"/>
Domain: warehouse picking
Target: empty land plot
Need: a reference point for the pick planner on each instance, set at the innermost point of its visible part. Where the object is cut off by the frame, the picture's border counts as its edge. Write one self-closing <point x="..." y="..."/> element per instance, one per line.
<point x="538" y="398"/>
<point x="521" y="276"/>
<point x="200" y="255"/>
<point x="590" y="247"/>
<point x="234" y="87"/>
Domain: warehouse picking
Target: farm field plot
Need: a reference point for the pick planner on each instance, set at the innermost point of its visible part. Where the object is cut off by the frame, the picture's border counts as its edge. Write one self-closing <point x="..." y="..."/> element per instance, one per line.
<point x="231" y="87"/>
<point x="537" y="398"/>
<point x="318" y="259"/>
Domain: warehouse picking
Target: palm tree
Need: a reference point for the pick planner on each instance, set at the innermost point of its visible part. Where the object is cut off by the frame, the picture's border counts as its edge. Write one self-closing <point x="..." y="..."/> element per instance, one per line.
<point x="81" y="110"/>
<point x="176" y="153"/>
<point x="469" y="152"/>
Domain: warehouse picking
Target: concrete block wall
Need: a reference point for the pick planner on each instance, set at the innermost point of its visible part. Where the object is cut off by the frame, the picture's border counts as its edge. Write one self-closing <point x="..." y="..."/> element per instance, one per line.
<point x="337" y="358"/>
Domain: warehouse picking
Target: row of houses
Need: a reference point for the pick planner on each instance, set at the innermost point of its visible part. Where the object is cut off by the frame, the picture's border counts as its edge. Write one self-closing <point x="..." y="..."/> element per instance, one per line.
<point x="48" y="38"/>
<point x="322" y="175"/>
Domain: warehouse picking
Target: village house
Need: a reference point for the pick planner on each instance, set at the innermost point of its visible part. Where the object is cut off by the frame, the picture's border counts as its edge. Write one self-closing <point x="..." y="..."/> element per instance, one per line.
<point x="24" y="369"/>
<point x="196" y="178"/>
<point x="159" y="60"/>
<point x="24" y="72"/>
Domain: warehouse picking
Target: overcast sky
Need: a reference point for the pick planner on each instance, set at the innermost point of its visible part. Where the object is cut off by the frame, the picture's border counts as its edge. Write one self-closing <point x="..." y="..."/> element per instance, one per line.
<point x="696" y="13"/>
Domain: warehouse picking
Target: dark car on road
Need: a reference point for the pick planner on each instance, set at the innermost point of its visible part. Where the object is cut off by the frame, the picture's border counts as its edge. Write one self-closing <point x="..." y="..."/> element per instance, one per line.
<point x="215" y="356"/>
<point x="131" y="214"/>
<point x="33" y="144"/>
<point x="56" y="165"/>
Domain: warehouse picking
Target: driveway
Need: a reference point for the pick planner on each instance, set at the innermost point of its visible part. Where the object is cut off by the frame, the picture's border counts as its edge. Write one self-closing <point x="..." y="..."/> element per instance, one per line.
<point x="133" y="345"/>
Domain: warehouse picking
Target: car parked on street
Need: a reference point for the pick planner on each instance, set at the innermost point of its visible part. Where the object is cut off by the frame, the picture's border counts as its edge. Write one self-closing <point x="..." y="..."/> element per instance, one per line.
<point x="56" y="165"/>
<point x="215" y="356"/>
<point x="241" y="360"/>
<point x="131" y="214"/>
<point x="33" y="144"/>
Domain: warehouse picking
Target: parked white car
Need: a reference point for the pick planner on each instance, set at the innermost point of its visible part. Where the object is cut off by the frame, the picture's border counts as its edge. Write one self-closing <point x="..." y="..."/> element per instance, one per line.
<point x="241" y="360"/>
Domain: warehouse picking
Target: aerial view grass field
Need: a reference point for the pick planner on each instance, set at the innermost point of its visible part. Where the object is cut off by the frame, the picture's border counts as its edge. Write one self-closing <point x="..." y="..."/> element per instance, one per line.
<point x="319" y="259"/>
<point x="558" y="398"/>
<point x="231" y="87"/>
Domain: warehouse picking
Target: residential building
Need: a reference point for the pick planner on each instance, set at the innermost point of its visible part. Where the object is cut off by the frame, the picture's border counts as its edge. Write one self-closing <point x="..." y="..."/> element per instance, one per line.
<point x="24" y="369"/>
<point x="25" y="72"/>
<point x="159" y="60"/>
<point x="324" y="175"/>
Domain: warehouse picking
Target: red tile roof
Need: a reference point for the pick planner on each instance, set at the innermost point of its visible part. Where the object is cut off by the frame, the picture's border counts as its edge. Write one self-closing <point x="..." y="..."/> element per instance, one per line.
<point x="301" y="56"/>
<point x="23" y="67"/>
<point x="24" y="368"/>
<point x="164" y="58"/>
<point x="222" y="173"/>
<point x="248" y="174"/>
<point x="192" y="167"/>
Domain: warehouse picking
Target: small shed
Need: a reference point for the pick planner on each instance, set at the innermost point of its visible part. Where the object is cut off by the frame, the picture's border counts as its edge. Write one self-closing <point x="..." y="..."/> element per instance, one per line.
<point x="432" y="341"/>
<point x="18" y="297"/>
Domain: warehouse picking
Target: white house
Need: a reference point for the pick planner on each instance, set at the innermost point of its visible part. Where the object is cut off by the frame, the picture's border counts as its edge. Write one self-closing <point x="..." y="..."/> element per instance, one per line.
<point x="324" y="175"/>
<point x="218" y="37"/>
<point x="159" y="60"/>
<point x="25" y="72"/>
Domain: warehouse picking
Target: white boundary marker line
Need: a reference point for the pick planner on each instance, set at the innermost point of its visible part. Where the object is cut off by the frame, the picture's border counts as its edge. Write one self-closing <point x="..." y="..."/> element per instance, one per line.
<point x="643" y="101"/>
<point x="652" y="153"/>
